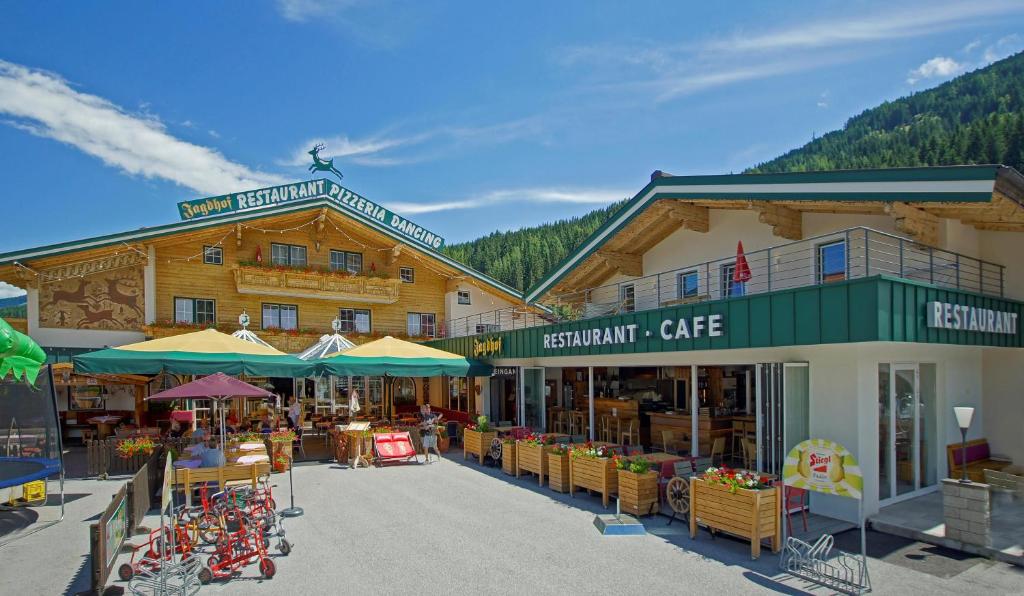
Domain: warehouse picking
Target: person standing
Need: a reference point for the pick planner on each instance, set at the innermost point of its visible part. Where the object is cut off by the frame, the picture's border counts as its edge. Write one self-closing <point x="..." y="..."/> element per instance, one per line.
<point x="294" y="410"/>
<point x="428" y="429"/>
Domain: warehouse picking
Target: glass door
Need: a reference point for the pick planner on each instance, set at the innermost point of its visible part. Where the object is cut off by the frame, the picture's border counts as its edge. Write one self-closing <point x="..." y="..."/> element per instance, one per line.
<point x="906" y="429"/>
<point x="783" y="411"/>
<point x="532" y="405"/>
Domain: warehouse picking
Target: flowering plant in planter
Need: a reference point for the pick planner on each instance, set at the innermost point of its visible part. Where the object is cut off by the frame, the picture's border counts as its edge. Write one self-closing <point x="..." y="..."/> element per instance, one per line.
<point x="282" y="436"/>
<point x="637" y="465"/>
<point x="482" y="425"/>
<point x="538" y="439"/>
<point x="561" y="448"/>
<point x="734" y="479"/>
<point x="589" y="450"/>
<point x="281" y="462"/>
<point x="134" y="446"/>
<point x="248" y="437"/>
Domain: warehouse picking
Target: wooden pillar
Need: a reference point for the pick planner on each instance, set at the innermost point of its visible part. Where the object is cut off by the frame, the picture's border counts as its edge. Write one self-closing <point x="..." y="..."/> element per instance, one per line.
<point x="694" y="410"/>
<point x="140" y="397"/>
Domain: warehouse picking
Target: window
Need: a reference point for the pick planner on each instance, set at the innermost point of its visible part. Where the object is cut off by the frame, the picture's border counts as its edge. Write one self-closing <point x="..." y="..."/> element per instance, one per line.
<point x="730" y="287"/>
<point x="407" y="274"/>
<point x="421" y="324"/>
<point x="354" y="320"/>
<point x="280" y="316"/>
<point x="627" y="298"/>
<point x="405" y="391"/>
<point x="347" y="261"/>
<point x="687" y="284"/>
<point x="487" y="328"/>
<point x="213" y="255"/>
<point x="195" y="311"/>
<point x="464" y="297"/>
<point x="291" y="255"/>
<point x="831" y="263"/>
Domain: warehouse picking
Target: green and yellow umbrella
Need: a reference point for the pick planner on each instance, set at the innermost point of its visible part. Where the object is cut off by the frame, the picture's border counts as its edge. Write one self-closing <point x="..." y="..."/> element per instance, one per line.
<point x="399" y="358"/>
<point x="198" y="353"/>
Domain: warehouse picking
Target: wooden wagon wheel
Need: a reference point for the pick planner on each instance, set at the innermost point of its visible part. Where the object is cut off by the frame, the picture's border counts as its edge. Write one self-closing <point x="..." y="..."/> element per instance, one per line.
<point x="677" y="493"/>
<point x="495" y="450"/>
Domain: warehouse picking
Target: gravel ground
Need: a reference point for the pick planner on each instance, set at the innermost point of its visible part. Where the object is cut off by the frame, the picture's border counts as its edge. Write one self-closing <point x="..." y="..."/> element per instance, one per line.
<point x="454" y="528"/>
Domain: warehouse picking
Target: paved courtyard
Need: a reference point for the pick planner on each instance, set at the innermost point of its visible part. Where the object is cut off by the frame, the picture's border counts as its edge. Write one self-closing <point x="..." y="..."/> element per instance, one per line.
<point x="455" y="528"/>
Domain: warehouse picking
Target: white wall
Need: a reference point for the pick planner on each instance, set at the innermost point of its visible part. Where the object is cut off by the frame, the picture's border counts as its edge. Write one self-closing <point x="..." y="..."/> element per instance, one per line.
<point x="1002" y="380"/>
<point x="481" y="303"/>
<point x="1005" y="248"/>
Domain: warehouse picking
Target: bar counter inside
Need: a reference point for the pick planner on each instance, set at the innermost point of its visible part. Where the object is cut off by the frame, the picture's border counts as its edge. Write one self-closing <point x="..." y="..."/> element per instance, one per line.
<point x="709" y="427"/>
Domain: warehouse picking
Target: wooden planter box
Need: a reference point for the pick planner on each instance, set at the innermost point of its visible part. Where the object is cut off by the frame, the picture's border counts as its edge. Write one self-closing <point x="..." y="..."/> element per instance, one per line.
<point x="558" y="471"/>
<point x="593" y="473"/>
<point x="477" y="443"/>
<point x="508" y="458"/>
<point x="750" y="514"/>
<point x="532" y="458"/>
<point x="638" y="493"/>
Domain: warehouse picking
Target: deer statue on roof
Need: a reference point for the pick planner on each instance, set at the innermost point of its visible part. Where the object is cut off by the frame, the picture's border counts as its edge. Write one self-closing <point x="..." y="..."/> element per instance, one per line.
<point x="320" y="165"/>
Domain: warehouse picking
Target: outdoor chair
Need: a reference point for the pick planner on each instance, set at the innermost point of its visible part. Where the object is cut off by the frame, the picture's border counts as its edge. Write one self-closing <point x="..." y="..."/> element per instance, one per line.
<point x="393" y="448"/>
<point x="717" y="450"/>
<point x="452" y="427"/>
<point x="297" y="443"/>
<point x="796" y="499"/>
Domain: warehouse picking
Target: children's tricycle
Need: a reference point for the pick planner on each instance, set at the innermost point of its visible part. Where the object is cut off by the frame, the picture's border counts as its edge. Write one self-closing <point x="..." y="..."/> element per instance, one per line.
<point x="235" y="550"/>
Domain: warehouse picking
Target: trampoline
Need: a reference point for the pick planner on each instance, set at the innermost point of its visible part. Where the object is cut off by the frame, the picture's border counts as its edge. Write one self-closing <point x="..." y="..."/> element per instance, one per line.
<point x="22" y="470"/>
<point x="30" y="439"/>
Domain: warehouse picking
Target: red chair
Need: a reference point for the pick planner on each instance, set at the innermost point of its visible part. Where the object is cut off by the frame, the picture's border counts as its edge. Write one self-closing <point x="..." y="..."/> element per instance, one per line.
<point x="393" y="447"/>
<point x="795" y="498"/>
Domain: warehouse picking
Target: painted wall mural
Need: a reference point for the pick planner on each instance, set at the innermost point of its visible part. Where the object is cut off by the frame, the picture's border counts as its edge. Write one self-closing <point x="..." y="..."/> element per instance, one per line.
<point x="110" y="301"/>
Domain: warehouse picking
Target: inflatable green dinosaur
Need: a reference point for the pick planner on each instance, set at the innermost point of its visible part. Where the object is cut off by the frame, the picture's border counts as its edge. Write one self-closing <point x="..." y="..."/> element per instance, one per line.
<point x="19" y="354"/>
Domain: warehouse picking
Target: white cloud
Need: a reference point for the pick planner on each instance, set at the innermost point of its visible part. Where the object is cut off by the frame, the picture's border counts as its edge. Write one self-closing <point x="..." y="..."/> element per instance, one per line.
<point x="9" y="291"/>
<point x="578" y="196"/>
<point x="939" y="67"/>
<point x="45" y="104"/>
<point x="388" y="148"/>
<point x="300" y="11"/>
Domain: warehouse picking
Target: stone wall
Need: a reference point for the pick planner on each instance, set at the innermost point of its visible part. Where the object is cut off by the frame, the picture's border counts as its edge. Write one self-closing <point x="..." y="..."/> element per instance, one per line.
<point x="967" y="512"/>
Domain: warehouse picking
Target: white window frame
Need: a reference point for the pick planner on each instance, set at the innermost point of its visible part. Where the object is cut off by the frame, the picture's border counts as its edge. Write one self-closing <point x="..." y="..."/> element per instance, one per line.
<point x="681" y="286"/>
<point x="353" y="324"/>
<point x="482" y="328"/>
<point x="278" y="310"/>
<point x="464" y="297"/>
<point x="410" y="278"/>
<point x="291" y="259"/>
<point x="416" y="322"/>
<point x="213" y="255"/>
<point x="188" y="315"/>
<point x="819" y="260"/>
<point x="631" y="290"/>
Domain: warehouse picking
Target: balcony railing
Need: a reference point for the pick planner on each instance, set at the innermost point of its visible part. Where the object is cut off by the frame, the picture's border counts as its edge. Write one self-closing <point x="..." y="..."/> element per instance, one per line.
<point x="315" y="284"/>
<point x="847" y="254"/>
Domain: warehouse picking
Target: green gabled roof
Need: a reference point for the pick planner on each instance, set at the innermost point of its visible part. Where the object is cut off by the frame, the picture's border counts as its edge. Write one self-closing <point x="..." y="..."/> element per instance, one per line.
<point x="147" y="233"/>
<point x="925" y="184"/>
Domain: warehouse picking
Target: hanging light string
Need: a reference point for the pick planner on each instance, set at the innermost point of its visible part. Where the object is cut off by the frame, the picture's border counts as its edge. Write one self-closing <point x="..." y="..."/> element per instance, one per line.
<point x="99" y="269"/>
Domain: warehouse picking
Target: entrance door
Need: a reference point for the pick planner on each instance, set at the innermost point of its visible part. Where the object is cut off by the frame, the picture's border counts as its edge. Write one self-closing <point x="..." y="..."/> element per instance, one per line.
<point x="906" y="429"/>
<point x="783" y="411"/>
<point x="532" y="404"/>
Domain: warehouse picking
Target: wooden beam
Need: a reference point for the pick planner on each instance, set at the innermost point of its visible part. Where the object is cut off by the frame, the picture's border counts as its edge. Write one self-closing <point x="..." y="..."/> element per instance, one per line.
<point x="622" y="262"/>
<point x="916" y="223"/>
<point x="785" y="222"/>
<point x="238" y="235"/>
<point x="687" y="215"/>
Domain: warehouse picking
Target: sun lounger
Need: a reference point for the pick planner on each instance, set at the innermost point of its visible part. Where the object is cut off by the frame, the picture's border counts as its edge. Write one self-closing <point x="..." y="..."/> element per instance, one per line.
<point x="393" y="447"/>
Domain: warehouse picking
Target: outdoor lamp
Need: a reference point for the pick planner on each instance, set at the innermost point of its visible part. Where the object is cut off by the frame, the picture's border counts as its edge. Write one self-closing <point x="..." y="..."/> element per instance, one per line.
<point x="963" y="420"/>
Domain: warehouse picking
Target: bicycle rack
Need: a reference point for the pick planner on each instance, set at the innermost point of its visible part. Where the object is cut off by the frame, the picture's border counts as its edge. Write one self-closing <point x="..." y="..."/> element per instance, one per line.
<point x="838" y="570"/>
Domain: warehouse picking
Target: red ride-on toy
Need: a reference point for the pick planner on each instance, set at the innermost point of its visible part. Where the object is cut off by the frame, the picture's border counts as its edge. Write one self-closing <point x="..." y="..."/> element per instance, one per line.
<point x="234" y="551"/>
<point x="146" y="556"/>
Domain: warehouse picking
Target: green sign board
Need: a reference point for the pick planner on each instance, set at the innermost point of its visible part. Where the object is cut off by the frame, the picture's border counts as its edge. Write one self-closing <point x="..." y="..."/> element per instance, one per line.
<point x="877" y="308"/>
<point x="349" y="201"/>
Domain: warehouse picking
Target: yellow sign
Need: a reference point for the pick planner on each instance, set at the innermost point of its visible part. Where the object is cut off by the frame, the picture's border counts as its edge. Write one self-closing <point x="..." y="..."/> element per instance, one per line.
<point x="823" y="466"/>
<point x="486" y="347"/>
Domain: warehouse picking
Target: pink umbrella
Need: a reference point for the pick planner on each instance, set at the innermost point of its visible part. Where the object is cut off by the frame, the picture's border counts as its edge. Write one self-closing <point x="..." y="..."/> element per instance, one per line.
<point x="218" y="386"/>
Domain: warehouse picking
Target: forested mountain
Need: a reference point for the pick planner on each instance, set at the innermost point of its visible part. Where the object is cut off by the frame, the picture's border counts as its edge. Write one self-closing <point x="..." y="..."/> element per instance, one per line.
<point x="13" y="308"/>
<point x="975" y="118"/>
<point x="521" y="257"/>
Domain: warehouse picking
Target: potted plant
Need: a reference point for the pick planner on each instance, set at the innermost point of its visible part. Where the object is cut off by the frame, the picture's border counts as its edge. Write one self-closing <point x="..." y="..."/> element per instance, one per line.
<point x="530" y="456"/>
<point x="129" y="448"/>
<point x="638" y="486"/>
<point x="477" y="438"/>
<point x="281" y="462"/>
<point x="738" y="502"/>
<point x="508" y="456"/>
<point x="592" y="467"/>
<point x="281" y="445"/>
<point x="558" y="467"/>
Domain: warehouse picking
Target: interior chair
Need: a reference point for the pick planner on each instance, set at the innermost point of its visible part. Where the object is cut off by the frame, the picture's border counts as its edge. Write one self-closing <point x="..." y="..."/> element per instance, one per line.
<point x="749" y="453"/>
<point x="738" y="434"/>
<point x="604" y="428"/>
<point x="671" y="444"/>
<point x="718" y="450"/>
<point x="630" y="435"/>
<point x="795" y="499"/>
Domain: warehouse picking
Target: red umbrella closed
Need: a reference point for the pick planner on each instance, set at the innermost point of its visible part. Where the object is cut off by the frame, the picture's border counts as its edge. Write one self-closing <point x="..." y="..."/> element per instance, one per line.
<point x="218" y="387"/>
<point x="741" y="272"/>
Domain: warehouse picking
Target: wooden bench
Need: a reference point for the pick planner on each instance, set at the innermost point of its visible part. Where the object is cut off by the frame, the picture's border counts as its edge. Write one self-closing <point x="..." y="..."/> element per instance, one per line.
<point x="979" y="458"/>
<point x="188" y="478"/>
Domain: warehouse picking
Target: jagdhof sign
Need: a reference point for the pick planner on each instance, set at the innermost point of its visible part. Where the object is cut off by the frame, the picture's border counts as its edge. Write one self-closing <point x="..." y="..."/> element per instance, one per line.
<point x="486" y="346"/>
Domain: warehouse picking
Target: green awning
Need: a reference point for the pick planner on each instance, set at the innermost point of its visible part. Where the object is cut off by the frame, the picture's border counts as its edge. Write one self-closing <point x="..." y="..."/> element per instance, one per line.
<point x="398" y="358"/>
<point x="19" y="354"/>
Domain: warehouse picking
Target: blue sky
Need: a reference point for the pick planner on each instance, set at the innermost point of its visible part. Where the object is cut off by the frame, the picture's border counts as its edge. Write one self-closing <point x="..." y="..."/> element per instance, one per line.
<point x="466" y="117"/>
